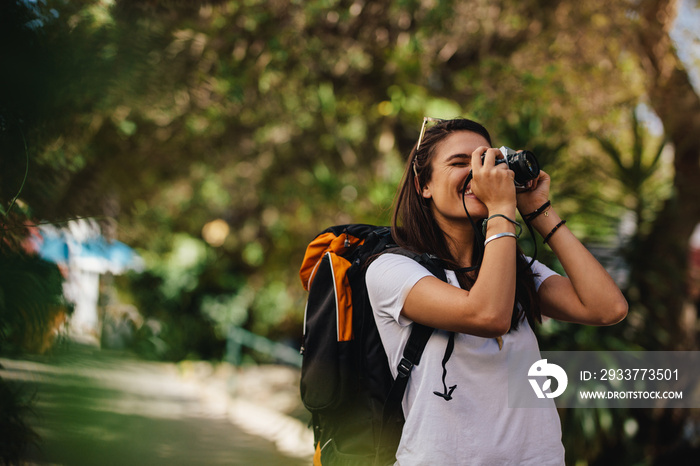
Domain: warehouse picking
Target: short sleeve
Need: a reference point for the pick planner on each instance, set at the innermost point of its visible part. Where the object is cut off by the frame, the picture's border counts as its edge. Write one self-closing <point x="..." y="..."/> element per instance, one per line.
<point x="389" y="279"/>
<point x="542" y="272"/>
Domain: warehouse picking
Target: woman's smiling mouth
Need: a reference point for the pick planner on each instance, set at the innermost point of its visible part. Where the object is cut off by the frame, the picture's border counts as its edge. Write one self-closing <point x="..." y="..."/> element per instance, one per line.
<point x="467" y="191"/>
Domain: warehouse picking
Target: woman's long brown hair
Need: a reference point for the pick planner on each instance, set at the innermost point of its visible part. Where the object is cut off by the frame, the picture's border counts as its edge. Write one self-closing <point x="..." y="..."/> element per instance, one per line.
<point x="415" y="227"/>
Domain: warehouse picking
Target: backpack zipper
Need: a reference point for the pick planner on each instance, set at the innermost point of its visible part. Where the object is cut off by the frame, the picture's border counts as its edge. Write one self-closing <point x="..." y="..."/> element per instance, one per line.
<point x="347" y="238"/>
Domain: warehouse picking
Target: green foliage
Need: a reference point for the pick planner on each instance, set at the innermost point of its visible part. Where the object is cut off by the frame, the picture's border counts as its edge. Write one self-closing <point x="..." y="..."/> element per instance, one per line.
<point x="15" y="434"/>
<point x="227" y="311"/>
<point x="31" y="307"/>
<point x="31" y="296"/>
<point x="639" y="170"/>
<point x="281" y="118"/>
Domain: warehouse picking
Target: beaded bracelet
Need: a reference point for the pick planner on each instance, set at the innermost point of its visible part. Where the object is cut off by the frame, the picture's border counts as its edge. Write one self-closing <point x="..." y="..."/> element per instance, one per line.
<point x="531" y="216"/>
<point x="556" y="227"/>
<point x="517" y="224"/>
<point x="499" y="235"/>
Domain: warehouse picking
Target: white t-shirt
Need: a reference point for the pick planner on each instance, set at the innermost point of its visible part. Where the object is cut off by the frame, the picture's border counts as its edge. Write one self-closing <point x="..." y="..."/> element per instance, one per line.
<point x="476" y="427"/>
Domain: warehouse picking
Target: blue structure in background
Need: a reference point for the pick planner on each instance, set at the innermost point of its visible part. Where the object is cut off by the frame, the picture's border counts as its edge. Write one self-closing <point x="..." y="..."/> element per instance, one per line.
<point x="83" y="254"/>
<point x="61" y="246"/>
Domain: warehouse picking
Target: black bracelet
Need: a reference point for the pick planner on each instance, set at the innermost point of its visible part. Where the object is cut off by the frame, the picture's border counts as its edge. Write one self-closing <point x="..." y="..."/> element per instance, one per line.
<point x="553" y="230"/>
<point x="531" y="216"/>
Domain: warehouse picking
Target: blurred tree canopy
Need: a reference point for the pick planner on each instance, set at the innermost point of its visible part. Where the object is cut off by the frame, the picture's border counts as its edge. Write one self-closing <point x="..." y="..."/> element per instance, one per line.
<point x="218" y="137"/>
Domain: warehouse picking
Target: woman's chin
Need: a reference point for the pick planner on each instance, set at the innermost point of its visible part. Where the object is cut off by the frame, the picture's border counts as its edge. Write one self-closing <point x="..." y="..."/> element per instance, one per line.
<point x="473" y="202"/>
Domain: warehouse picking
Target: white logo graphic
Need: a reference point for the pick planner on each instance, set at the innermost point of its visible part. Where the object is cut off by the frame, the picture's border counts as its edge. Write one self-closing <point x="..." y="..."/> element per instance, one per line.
<point x="542" y="368"/>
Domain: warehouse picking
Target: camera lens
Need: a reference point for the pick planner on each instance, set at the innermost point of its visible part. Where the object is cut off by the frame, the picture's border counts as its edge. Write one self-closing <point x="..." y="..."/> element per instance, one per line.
<point x="525" y="166"/>
<point x="523" y="163"/>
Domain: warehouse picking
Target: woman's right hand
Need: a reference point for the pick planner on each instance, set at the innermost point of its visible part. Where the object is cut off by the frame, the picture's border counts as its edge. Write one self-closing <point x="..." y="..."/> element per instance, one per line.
<point x="493" y="184"/>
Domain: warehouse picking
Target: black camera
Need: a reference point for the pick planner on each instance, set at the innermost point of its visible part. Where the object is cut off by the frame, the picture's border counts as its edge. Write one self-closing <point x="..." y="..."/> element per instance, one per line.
<point x="523" y="163"/>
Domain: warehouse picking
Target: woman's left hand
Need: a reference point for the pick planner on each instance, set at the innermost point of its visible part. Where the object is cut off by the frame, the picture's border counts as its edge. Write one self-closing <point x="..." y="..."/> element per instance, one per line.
<point x="532" y="199"/>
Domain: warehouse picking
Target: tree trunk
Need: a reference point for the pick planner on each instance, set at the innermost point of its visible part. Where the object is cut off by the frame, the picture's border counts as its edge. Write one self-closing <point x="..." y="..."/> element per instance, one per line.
<point x="661" y="258"/>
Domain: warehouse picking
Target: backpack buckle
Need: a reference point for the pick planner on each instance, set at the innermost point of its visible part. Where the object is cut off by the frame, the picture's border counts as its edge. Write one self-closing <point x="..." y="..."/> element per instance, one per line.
<point x="405" y="367"/>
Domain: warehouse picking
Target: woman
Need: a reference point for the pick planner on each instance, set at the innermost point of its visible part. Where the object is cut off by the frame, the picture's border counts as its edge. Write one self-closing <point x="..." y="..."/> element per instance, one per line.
<point x="456" y="404"/>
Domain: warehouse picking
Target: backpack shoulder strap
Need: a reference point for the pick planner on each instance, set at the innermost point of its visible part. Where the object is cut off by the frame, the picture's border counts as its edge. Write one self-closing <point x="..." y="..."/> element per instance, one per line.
<point x="429" y="261"/>
<point x="412" y="352"/>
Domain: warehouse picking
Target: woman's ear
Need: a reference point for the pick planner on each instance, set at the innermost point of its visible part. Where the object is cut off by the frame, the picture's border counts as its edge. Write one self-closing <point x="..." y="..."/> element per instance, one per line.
<point x="425" y="191"/>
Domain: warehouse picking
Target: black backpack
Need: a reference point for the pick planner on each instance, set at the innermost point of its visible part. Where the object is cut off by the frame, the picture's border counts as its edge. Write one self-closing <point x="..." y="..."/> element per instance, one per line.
<point x="346" y="382"/>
